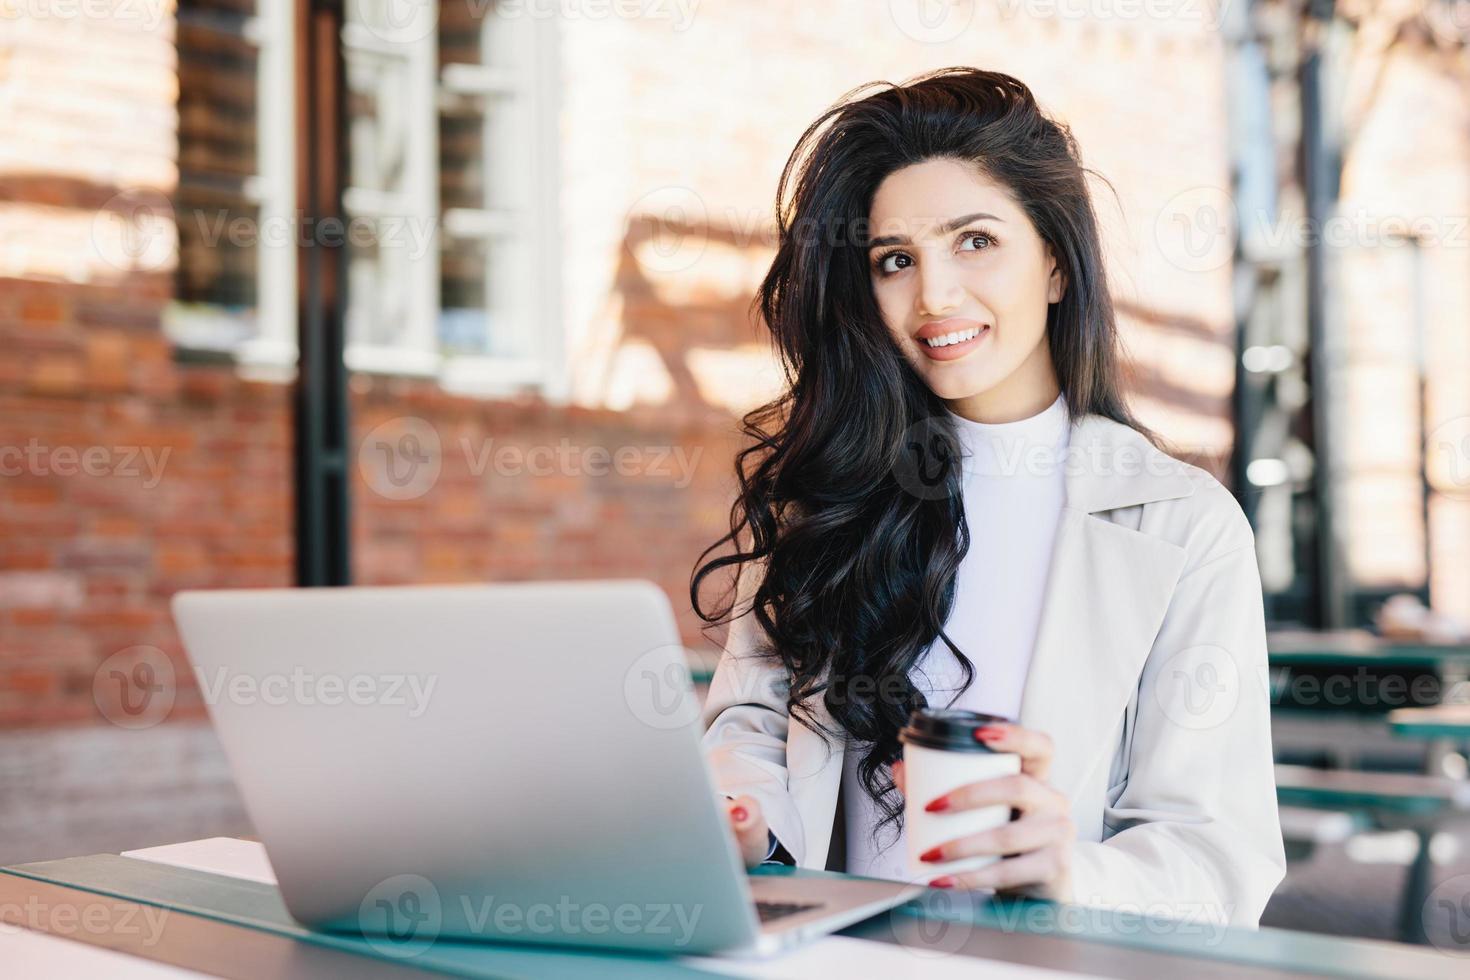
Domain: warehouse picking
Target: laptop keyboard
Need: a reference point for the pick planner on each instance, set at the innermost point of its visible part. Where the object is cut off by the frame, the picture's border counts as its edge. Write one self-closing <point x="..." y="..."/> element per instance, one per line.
<point x="771" y="911"/>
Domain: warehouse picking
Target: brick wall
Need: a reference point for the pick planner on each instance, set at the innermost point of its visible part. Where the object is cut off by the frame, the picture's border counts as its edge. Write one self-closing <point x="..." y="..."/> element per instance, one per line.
<point x="122" y="497"/>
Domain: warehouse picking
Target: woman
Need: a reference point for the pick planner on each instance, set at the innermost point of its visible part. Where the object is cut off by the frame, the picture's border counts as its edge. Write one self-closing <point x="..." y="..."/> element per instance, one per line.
<point x="952" y="505"/>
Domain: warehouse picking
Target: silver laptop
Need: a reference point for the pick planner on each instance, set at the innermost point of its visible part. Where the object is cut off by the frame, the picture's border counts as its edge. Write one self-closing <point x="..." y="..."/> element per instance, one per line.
<point x="513" y="763"/>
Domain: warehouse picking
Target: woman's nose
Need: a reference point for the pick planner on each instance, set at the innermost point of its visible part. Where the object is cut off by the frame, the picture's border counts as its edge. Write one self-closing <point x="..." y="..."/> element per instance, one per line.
<point x="939" y="291"/>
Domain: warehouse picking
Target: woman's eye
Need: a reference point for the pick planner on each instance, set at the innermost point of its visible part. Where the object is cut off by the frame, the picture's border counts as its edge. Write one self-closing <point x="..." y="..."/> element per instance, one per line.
<point x="894" y="261"/>
<point x="979" y="236"/>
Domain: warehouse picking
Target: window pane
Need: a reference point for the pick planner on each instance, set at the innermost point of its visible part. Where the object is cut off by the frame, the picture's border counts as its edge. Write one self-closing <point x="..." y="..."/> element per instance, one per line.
<point x="218" y="224"/>
<point x="388" y="288"/>
<point x="216" y="102"/>
<point x="377" y="120"/>
<point x="217" y="248"/>
<point x="475" y="32"/>
<point x="484" y="149"/>
<point x="214" y="304"/>
<point x="378" y="281"/>
<point x="459" y="30"/>
<point x="463" y="321"/>
<point x="462" y="157"/>
<point x="485" y="282"/>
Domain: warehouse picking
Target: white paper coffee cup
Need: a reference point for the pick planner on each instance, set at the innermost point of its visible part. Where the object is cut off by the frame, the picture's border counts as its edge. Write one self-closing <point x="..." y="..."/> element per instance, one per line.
<point x="941" y="754"/>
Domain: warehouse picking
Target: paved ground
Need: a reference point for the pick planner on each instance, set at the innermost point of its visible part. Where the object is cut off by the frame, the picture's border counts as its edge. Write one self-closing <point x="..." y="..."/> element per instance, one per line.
<point x="1333" y="893"/>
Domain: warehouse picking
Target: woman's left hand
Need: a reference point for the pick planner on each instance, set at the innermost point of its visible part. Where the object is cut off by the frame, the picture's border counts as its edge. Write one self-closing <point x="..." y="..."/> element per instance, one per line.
<point x="1039" y="841"/>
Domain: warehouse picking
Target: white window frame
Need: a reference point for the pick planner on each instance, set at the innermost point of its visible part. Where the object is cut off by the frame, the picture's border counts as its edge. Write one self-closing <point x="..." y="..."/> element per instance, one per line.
<point x="527" y="318"/>
<point x="414" y="350"/>
<point x="531" y="322"/>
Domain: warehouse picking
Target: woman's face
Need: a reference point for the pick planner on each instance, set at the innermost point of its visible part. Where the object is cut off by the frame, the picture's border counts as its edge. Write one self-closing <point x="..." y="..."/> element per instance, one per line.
<point x="963" y="281"/>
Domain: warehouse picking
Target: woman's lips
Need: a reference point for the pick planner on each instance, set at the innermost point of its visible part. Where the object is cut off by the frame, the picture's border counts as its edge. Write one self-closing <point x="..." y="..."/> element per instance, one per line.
<point x="951" y="352"/>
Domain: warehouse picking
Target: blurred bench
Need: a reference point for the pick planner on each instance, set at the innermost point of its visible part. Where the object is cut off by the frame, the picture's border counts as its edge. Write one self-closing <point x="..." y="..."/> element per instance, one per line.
<point x="1385" y="792"/>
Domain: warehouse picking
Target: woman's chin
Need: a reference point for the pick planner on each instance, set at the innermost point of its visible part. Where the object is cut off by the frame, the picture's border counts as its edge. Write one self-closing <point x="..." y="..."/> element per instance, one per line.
<point x="953" y="383"/>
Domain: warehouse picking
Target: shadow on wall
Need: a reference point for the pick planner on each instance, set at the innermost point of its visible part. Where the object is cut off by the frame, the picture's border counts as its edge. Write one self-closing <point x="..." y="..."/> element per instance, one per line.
<point x="678" y="328"/>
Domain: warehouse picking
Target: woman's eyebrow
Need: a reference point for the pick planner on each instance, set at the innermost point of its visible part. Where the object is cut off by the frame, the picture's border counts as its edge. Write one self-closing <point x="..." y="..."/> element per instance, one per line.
<point x="953" y="224"/>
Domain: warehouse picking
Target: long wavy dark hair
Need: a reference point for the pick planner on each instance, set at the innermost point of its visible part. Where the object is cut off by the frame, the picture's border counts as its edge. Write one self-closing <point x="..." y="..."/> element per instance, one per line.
<point x="859" y="570"/>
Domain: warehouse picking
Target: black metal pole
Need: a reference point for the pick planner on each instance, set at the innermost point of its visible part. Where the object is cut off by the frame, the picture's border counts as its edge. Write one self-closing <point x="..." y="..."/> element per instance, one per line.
<point x="323" y="511"/>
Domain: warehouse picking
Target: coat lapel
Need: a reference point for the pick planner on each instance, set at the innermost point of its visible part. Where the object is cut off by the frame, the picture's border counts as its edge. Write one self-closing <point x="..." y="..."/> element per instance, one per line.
<point x="1107" y="591"/>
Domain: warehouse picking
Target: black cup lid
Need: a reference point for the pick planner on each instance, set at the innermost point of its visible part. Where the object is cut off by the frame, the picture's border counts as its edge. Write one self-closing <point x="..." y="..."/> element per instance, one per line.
<point x="947" y="728"/>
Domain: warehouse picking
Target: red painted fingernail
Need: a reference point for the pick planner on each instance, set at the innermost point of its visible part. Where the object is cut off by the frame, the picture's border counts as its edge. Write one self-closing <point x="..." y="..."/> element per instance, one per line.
<point x="935" y="805"/>
<point x="933" y="854"/>
<point x="739" y="814"/>
<point x="943" y="881"/>
<point x="989" y="733"/>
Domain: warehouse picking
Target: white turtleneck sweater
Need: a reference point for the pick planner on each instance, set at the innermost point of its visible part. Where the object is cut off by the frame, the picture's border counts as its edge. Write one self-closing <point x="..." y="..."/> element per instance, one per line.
<point x="1013" y="495"/>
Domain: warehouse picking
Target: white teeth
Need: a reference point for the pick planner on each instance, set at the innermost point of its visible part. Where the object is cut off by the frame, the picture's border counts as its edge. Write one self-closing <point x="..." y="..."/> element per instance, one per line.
<point x="958" y="337"/>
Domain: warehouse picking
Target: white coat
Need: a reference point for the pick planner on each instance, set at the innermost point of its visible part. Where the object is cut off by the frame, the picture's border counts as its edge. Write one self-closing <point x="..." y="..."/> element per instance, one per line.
<point x="1148" y="673"/>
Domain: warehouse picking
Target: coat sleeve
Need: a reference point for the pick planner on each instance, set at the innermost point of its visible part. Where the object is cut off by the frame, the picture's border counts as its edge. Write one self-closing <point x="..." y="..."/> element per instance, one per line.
<point x="746" y="721"/>
<point x="1194" y="831"/>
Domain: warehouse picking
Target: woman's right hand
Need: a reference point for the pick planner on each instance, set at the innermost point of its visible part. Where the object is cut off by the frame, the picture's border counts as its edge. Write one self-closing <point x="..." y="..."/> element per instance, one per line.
<point x="749" y="827"/>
